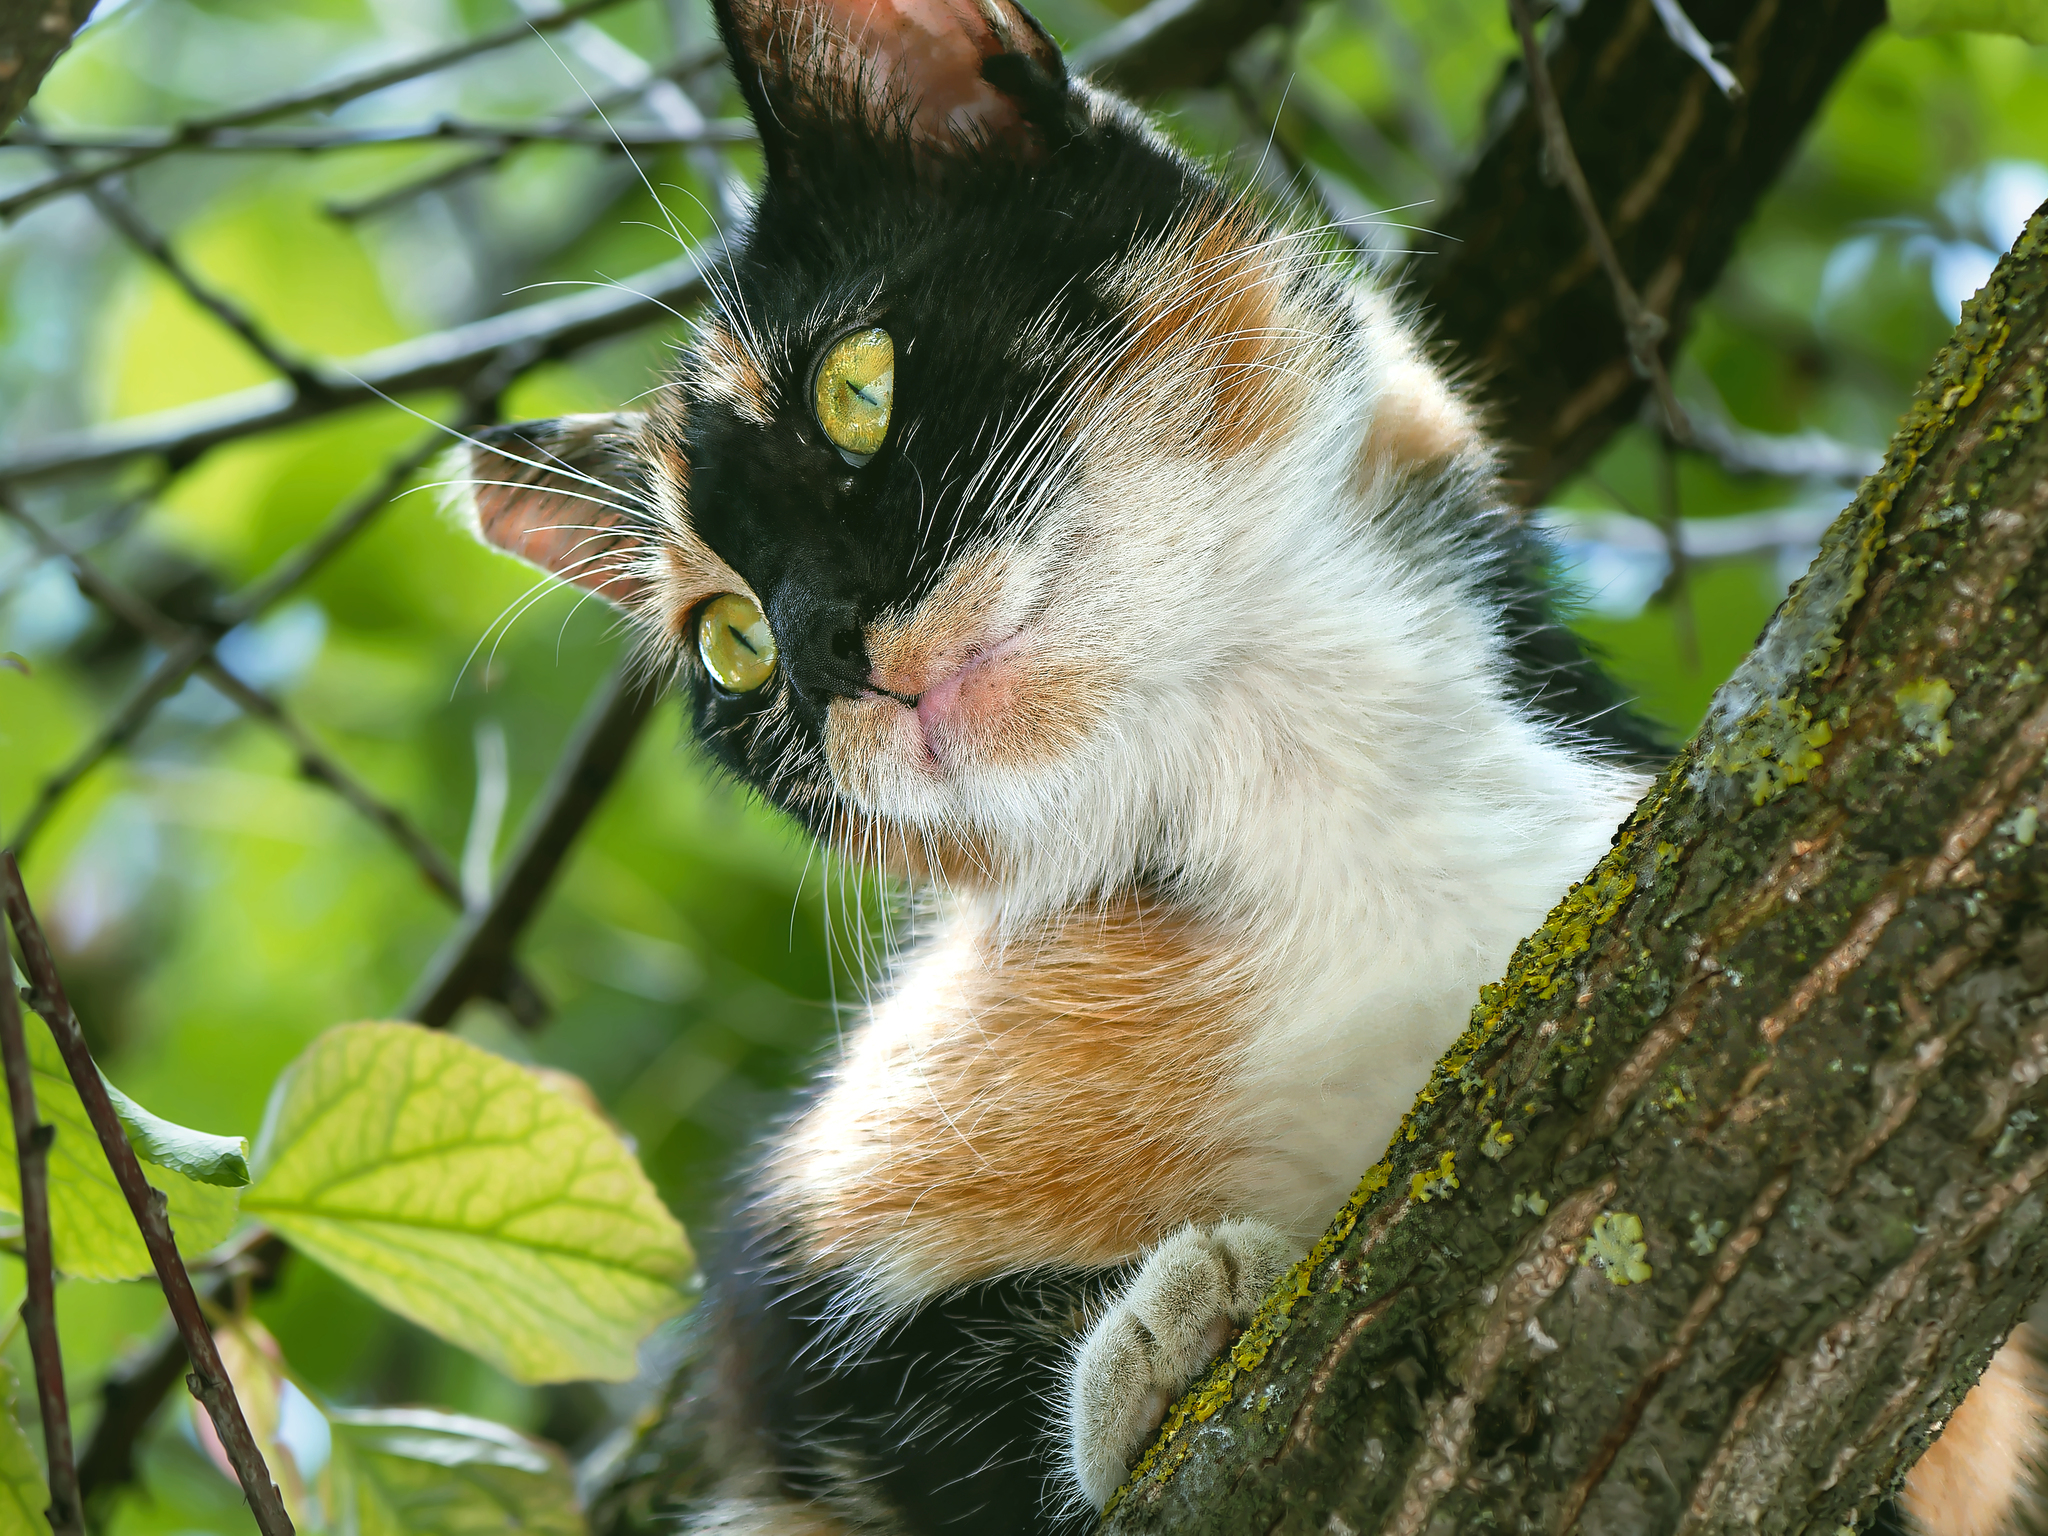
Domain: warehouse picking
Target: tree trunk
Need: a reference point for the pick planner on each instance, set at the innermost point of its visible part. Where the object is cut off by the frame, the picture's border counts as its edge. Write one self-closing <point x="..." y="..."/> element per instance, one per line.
<point x="1730" y="1190"/>
<point x="1676" y="170"/>
<point x="32" y="34"/>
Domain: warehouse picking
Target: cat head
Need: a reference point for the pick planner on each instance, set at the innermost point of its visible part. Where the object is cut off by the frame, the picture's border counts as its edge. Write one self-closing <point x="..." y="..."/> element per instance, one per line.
<point x="990" y="491"/>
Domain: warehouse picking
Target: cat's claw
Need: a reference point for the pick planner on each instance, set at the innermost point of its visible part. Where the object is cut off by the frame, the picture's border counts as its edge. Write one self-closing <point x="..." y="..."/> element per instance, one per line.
<point x="1156" y="1338"/>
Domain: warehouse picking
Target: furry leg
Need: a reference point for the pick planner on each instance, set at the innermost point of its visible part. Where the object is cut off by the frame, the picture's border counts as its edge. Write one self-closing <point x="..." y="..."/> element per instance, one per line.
<point x="1166" y="1326"/>
<point x="1980" y="1478"/>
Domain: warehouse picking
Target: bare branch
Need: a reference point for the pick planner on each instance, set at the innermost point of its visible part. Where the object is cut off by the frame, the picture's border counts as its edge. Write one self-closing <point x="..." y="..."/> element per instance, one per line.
<point x="446" y="130"/>
<point x="135" y="1388"/>
<point x="315" y="762"/>
<point x="39" y="1308"/>
<point x="209" y="1379"/>
<point x="32" y="37"/>
<point x="1794" y="529"/>
<point x="113" y="206"/>
<point x="514" y="340"/>
<point x="1518" y="296"/>
<point x="1175" y="43"/>
<point x="1796" y="456"/>
<point x="1645" y="329"/>
<point x="182" y="658"/>
<point x="1696" y="47"/>
<point x="669" y="102"/>
<point x="478" y="952"/>
<point x="321" y="98"/>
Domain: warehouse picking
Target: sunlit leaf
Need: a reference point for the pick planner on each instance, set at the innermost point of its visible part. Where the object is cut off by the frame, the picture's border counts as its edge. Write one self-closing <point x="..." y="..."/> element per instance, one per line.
<point x="460" y="1191"/>
<point x="92" y="1231"/>
<point x="2020" y="18"/>
<point x="24" y="1496"/>
<point x="414" y="1472"/>
<point x="200" y="1155"/>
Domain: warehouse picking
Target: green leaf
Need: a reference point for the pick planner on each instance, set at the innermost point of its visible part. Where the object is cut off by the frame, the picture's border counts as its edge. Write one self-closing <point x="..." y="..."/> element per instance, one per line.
<point x="415" y="1472"/>
<point x="461" y="1192"/>
<point x="218" y="1160"/>
<point x="24" y="1496"/>
<point x="92" y="1231"/>
<point x="2021" y="18"/>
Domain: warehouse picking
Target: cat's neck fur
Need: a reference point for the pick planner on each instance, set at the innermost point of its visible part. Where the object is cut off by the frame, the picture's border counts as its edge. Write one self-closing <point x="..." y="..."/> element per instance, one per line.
<point x="1352" y="766"/>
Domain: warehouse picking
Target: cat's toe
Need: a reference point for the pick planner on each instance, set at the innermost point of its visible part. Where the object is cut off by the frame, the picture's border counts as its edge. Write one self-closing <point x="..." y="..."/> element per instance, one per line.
<point x="1152" y="1343"/>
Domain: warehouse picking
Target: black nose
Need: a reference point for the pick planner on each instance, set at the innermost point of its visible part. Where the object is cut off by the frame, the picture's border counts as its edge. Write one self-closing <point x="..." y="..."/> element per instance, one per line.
<point x="823" y="653"/>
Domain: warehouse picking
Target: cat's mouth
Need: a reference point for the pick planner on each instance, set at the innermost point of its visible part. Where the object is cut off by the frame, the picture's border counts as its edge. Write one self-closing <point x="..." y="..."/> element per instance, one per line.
<point x="961" y="708"/>
<point x="1012" y="701"/>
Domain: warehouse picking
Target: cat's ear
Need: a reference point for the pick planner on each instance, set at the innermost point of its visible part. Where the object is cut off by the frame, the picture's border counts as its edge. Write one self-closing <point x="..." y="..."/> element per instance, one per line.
<point x="945" y="74"/>
<point x="569" y="495"/>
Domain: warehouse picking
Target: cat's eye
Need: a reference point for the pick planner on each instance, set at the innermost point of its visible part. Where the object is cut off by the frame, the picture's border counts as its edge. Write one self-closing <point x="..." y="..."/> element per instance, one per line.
<point x="853" y="392"/>
<point x="737" y="646"/>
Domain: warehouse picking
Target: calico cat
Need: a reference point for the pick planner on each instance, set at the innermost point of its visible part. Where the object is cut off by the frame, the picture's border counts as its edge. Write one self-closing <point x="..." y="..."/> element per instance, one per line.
<point x="1034" y="516"/>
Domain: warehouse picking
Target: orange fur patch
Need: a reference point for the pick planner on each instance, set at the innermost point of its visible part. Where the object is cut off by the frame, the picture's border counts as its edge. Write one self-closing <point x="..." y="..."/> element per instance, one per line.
<point x="1214" y="350"/>
<point x="1054" y="1100"/>
<point x="910" y="652"/>
<point x="725" y="371"/>
<point x="1979" y="1475"/>
<point x="1030" y="708"/>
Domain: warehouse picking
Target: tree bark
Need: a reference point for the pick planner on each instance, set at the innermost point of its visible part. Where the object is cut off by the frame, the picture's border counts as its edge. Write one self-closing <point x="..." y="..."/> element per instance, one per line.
<point x="32" y="34"/>
<point x="1676" y="169"/>
<point x="1735" y="1182"/>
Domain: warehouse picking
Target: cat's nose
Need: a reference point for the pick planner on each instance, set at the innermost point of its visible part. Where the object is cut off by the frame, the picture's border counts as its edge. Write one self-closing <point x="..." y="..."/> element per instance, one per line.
<point x="823" y="651"/>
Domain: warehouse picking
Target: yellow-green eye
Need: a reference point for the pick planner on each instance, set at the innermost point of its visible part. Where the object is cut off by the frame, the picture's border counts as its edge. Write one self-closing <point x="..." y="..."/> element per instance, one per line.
<point x="737" y="646"/>
<point x="855" y="388"/>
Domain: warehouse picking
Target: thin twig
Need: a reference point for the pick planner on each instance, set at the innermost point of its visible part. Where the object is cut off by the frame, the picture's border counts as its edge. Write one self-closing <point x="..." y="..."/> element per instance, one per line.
<point x="115" y="208"/>
<point x="178" y="663"/>
<point x="1791" y="456"/>
<point x="1644" y="328"/>
<point x="1429" y="137"/>
<point x="169" y="674"/>
<point x="1743" y="535"/>
<point x="521" y="995"/>
<point x="32" y="1141"/>
<point x="1174" y="43"/>
<point x="478" y="952"/>
<point x="135" y="1388"/>
<point x="320" y="98"/>
<point x="209" y="1379"/>
<point x="1697" y="48"/>
<point x="668" y="101"/>
<point x="676" y="70"/>
<point x="452" y="357"/>
<point x="1677" y="589"/>
<point x="447" y="130"/>
<point x="139" y="613"/>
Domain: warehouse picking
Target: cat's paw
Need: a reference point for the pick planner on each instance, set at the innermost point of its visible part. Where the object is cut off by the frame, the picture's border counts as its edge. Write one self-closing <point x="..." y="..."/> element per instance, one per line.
<point x="1156" y="1338"/>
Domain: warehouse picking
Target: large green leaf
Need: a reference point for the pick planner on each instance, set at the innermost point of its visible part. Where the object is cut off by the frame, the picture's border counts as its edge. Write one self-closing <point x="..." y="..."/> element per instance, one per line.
<point x="92" y="1232"/>
<point x="458" y="1190"/>
<point x="414" y="1472"/>
<point x="24" y="1496"/>
<point x="2021" y="18"/>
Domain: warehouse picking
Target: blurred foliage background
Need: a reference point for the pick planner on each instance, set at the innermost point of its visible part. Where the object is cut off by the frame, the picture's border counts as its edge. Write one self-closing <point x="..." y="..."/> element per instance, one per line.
<point x="215" y="911"/>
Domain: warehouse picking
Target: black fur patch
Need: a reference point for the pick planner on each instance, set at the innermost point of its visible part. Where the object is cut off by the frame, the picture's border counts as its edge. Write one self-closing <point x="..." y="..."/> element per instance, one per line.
<point x="943" y="1421"/>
